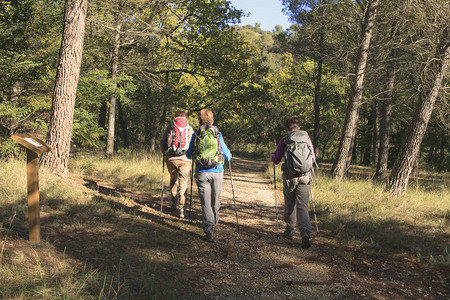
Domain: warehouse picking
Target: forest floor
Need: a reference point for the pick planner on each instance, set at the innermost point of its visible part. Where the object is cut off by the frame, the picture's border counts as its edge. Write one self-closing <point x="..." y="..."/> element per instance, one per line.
<point x="145" y="254"/>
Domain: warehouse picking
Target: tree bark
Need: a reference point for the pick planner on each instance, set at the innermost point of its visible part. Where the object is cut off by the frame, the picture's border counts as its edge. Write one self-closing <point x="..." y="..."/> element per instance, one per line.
<point x="415" y="166"/>
<point x="113" y="100"/>
<point x="158" y="128"/>
<point x="123" y="125"/>
<point x="317" y="104"/>
<point x="343" y="156"/>
<point x="318" y="86"/>
<point x="15" y="91"/>
<point x="353" y="149"/>
<point x="385" y="126"/>
<point x="102" y="115"/>
<point x="63" y="100"/>
<point x="442" y="150"/>
<point x="375" y="135"/>
<point x="411" y="146"/>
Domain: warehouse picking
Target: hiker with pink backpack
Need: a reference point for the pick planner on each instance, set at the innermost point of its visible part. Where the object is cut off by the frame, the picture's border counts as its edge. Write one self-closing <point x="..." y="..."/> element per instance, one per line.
<point x="174" y="144"/>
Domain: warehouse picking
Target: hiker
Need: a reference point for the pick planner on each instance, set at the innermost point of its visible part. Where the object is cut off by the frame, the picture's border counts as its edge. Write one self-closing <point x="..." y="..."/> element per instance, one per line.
<point x="208" y="149"/>
<point x="173" y="144"/>
<point x="297" y="149"/>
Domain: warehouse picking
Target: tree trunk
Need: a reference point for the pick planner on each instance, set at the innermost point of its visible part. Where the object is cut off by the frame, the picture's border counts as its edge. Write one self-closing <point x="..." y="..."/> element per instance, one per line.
<point x="385" y="126"/>
<point x="317" y="104"/>
<point x="367" y="149"/>
<point x="159" y="127"/>
<point x="343" y="156"/>
<point x="15" y="91"/>
<point x="160" y="121"/>
<point x="415" y="166"/>
<point x="442" y="155"/>
<point x="157" y="130"/>
<point x="317" y="88"/>
<point x="102" y="115"/>
<point x="375" y="135"/>
<point x="411" y="146"/>
<point x="123" y="125"/>
<point x="113" y="100"/>
<point x="63" y="101"/>
<point x="153" y="142"/>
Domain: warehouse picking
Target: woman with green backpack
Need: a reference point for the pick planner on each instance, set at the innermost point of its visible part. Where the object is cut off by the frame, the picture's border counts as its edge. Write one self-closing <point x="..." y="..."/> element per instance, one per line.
<point x="208" y="149"/>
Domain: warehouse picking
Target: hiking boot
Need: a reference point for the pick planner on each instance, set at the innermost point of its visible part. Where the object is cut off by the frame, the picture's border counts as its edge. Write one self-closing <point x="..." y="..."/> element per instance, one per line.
<point x="305" y="242"/>
<point x="209" y="237"/>
<point x="288" y="233"/>
<point x="181" y="212"/>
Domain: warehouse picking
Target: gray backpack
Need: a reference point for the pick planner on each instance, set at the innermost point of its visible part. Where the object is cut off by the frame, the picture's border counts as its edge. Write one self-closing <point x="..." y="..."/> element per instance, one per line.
<point x="299" y="154"/>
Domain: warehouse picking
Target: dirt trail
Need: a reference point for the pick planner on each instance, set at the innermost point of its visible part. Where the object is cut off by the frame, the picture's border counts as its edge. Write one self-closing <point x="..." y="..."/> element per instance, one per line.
<point x="161" y="256"/>
<point x="252" y="261"/>
<point x="255" y="261"/>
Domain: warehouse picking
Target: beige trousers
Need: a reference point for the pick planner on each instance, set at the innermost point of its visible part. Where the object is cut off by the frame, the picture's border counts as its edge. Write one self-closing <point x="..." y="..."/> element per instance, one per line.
<point x="179" y="177"/>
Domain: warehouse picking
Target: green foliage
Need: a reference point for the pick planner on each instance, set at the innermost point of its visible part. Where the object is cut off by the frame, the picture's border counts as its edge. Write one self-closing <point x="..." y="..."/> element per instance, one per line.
<point x="86" y="132"/>
<point x="29" y="44"/>
<point x="188" y="55"/>
<point x="8" y="146"/>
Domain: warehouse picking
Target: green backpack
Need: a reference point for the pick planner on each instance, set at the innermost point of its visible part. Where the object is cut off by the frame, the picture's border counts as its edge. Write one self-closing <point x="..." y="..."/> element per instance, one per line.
<point x="207" y="144"/>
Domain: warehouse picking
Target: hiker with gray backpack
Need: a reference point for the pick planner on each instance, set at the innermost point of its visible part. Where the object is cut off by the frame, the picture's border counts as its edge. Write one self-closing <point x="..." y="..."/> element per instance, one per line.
<point x="208" y="149"/>
<point x="174" y="144"/>
<point x="298" y="153"/>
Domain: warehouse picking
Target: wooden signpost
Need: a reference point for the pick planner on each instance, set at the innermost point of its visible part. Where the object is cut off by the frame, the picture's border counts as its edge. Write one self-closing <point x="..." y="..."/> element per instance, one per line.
<point x="34" y="147"/>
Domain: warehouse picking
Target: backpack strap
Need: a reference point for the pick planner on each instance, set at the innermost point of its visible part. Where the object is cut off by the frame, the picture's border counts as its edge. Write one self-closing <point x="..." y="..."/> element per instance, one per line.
<point x="197" y="138"/>
<point x="170" y="136"/>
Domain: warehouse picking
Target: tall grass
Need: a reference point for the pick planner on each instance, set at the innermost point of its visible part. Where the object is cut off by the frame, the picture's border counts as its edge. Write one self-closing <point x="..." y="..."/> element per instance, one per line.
<point x="361" y="213"/>
<point x="27" y="276"/>
<point x="54" y="191"/>
<point x="80" y="219"/>
<point x="135" y="170"/>
<point x="13" y="181"/>
<point x="258" y="150"/>
<point x="38" y="271"/>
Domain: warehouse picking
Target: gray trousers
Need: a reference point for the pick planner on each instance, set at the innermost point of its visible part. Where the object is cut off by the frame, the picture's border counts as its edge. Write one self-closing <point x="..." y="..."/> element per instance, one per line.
<point x="209" y="186"/>
<point x="296" y="197"/>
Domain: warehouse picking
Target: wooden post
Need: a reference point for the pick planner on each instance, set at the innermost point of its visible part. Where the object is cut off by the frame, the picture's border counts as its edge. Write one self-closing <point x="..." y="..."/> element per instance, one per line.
<point x="34" y="223"/>
<point x="34" y="147"/>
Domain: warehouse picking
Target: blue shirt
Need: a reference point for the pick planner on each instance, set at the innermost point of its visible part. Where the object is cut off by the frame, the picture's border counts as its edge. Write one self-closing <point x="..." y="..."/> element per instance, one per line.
<point x="217" y="169"/>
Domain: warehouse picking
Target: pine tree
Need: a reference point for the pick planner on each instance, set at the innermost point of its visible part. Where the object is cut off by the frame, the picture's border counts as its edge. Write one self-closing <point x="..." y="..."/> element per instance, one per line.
<point x="64" y="94"/>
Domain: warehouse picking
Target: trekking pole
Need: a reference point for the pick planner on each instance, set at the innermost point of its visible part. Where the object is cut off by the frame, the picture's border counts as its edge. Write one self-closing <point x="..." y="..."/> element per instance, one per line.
<point x="162" y="183"/>
<point x="192" y="179"/>
<point x="314" y="210"/>
<point x="312" y="200"/>
<point x="314" y="175"/>
<point x="234" y="199"/>
<point x="276" y="202"/>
